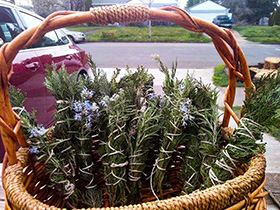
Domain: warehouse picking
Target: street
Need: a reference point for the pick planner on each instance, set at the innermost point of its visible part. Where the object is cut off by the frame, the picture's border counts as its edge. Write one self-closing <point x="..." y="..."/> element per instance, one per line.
<point x="189" y="55"/>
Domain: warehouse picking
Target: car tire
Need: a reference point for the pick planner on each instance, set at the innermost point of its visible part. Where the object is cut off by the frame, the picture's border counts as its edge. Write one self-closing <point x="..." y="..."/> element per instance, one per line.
<point x="82" y="75"/>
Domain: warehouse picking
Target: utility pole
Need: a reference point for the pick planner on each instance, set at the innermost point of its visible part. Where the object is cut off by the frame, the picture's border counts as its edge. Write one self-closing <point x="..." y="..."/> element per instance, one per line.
<point x="149" y="4"/>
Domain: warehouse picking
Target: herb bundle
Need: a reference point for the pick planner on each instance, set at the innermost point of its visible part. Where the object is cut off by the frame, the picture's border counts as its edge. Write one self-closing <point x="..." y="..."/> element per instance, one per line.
<point x="263" y="103"/>
<point x="116" y="142"/>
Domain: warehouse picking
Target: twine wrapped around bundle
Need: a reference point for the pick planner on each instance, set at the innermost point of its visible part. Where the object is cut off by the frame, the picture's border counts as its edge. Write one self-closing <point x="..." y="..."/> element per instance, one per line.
<point x="243" y="191"/>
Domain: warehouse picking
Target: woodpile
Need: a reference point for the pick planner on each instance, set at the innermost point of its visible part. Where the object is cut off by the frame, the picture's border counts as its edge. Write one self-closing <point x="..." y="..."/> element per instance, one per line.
<point x="270" y="65"/>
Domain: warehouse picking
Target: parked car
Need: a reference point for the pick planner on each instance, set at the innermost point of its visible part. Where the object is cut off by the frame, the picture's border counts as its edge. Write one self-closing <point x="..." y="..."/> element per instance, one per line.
<point x="223" y="21"/>
<point x="29" y="64"/>
<point x="75" y="36"/>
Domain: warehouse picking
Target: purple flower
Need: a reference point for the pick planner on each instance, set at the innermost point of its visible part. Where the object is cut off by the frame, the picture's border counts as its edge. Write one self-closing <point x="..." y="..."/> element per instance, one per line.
<point x="104" y="101"/>
<point x="84" y="91"/>
<point x="88" y="123"/>
<point x="87" y="93"/>
<point x="77" y="106"/>
<point x="184" y="108"/>
<point x="34" y="150"/>
<point x="42" y="130"/>
<point x="37" y="131"/>
<point x="33" y="133"/>
<point x="78" y="116"/>
<point x="87" y="105"/>
<point x="182" y="86"/>
<point x="151" y="96"/>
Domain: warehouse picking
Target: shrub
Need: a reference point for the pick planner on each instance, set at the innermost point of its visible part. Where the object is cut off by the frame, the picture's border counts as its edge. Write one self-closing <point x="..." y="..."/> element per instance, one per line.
<point x="275" y="18"/>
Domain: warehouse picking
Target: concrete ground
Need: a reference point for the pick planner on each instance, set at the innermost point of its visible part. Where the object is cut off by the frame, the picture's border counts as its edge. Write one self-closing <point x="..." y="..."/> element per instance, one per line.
<point x="272" y="146"/>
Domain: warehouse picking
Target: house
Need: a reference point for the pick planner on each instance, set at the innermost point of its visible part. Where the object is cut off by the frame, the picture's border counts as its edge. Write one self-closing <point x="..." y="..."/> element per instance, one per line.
<point x="99" y="3"/>
<point x="208" y="10"/>
<point x="154" y="3"/>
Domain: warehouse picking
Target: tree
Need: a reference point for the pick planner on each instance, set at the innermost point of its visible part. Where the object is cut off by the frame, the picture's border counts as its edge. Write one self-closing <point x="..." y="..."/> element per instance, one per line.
<point x="260" y="8"/>
<point x="275" y="18"/>
<point x="239" y="10"/>
<point x="88" y="4"/>
<point x="46" y="7"/>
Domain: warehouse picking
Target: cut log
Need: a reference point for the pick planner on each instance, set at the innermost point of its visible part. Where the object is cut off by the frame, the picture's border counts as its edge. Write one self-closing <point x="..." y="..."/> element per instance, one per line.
<point x="271" y="63"/>
<point x="258" y="73"/>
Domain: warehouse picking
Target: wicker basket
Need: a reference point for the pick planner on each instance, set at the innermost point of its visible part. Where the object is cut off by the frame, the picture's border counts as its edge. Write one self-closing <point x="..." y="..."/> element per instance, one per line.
<point x="245" y="191"/>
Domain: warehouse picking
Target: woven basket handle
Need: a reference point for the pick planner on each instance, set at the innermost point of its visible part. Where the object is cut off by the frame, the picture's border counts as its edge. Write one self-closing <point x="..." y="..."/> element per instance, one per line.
<point x="222" y="39"/>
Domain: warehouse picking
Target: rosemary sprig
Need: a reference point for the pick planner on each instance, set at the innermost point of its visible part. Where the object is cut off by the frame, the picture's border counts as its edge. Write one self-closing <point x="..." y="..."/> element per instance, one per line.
<point x="147" y="131"/>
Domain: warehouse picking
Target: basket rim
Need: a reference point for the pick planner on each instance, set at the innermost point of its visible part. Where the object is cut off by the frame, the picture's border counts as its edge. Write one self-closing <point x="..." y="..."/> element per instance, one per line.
<point x="221" y="196"/>
<point x="223" y="40"/>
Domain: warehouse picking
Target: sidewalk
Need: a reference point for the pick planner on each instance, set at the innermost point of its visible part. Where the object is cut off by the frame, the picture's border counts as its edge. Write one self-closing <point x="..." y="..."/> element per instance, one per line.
<point x="272" y="147"/>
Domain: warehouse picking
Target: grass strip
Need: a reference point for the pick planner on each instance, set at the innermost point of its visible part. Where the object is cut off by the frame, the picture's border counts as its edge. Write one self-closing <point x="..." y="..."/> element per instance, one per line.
<point x="220" y="78"/>
<point x="140" y="34"/>
<point x="263" y="34"/>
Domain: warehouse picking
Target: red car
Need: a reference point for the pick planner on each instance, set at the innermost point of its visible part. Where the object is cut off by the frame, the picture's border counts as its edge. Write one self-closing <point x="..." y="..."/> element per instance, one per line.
<point x="29" y="65"/>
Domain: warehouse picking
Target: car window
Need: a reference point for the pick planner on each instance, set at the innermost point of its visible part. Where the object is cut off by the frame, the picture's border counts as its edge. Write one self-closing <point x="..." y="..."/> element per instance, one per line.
<point x="50" y="38"/>
<point x="62" y="37"/>
<point x="9" y="27"/>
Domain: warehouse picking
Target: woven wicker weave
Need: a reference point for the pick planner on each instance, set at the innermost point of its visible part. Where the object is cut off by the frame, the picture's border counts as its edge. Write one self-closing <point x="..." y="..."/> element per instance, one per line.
<point x="241" y="192"/>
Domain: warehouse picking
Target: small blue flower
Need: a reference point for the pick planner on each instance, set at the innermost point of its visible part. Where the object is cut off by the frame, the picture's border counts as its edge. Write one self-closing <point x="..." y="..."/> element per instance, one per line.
<point x="77" y="106"/>
<point x="90" y="94"/>
<point x="104" y="101"/>
<point x="34" y="150"/>
<point x="42" y="131"/>
<point x="152" y="96"/>
<point x="87" y="105"/>
<point x="78" y="116"/>
<point x="184" y="108"/>
<point x="88" y="123"/>
<point x="87" y="93"/>
<point x="184" y="124"/>
<point x="33" y="133"/>
<point x="84" y="91"/>
<point x="182" y="86"/>
<point x="37" y="131"/>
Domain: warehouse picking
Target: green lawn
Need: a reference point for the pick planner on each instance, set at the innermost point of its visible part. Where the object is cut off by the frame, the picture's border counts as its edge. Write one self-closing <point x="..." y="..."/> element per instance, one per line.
<point x="220" y="78"/>
<point x="82" y="28"/>
<point x="140" y="34"/>
<point x="263" y="34"/>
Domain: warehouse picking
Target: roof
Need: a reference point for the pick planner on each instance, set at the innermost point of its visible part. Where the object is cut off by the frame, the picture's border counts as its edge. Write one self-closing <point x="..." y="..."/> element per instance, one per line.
<point x="108" y="2"/>
<point x="155" y="3"/>
<point x="207" y="6"/>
